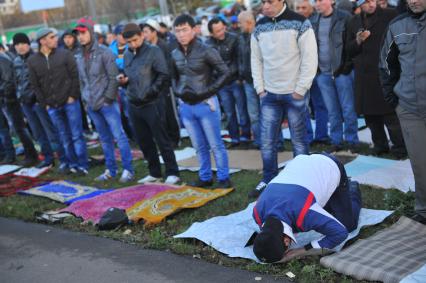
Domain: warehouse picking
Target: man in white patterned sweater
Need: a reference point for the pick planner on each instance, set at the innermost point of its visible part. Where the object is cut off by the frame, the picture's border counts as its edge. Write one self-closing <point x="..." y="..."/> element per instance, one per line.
<point x="284" y="62"/>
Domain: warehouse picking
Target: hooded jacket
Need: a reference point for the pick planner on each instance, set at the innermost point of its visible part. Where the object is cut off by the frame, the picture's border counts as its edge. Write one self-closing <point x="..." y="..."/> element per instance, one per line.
<point x="403" y="63"/>
<point x="97" y="72"/>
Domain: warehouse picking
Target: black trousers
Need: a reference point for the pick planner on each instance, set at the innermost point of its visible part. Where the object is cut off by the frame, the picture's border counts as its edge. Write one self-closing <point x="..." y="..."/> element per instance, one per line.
<point x="14" y="114"/>
<point x="377" y="124"/>
<point x="168" y="116"/>
<point x="149" y="133"/>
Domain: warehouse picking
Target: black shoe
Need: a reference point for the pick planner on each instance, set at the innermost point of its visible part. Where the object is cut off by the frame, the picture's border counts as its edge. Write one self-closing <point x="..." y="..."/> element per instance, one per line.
<point x="44" y="164"/>
<point x="258" y="190"/>
<point x="225" y="184"/>
<point x="201" y="184"/>
<point x="399" y="153"/>
<point x="29" y="162"/>
<point x="378" y="151"/>
<point x="232" y="145"/>
<point x="419" y="218"/>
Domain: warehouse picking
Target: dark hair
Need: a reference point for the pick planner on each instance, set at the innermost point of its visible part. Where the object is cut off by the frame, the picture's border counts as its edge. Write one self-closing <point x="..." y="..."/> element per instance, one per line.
<point x="215" y="21"/>
<point x="163" y="25"/>
<point x="184" y="19"/>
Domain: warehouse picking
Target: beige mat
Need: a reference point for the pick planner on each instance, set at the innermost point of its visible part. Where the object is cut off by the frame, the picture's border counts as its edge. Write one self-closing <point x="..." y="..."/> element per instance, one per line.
<point x="241" y="159"/>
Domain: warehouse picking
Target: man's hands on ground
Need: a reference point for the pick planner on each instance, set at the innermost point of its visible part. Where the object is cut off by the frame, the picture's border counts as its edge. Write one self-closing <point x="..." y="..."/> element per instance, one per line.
<point x="362" y="36"/>
<point x="292" y="254"/>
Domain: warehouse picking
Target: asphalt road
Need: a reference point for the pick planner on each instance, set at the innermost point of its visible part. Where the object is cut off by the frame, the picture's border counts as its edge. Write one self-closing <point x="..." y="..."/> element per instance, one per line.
<point x="38" y="253"/>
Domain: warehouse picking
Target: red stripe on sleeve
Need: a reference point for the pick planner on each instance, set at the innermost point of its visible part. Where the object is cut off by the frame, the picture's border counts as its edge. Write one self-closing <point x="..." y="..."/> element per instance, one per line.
<point x="257" y="217"/>
<point x="304" y="210"/>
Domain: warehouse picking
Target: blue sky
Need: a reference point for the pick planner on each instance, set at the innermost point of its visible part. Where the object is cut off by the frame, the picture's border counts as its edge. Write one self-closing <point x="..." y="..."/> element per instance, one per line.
<point x="33" y="5"/>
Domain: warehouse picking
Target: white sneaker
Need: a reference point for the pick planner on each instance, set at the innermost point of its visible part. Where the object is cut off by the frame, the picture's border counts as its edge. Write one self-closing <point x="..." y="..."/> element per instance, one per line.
<point x="126" y="176"/>
<point x="148" y="179"/>
<point x="172" y="179"/>
<point x="104" y="176"/>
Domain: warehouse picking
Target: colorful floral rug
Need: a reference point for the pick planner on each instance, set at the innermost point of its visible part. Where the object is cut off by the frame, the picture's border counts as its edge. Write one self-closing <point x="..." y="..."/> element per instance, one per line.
<point x="156" y="209"/>
<point x="93" y="209"/>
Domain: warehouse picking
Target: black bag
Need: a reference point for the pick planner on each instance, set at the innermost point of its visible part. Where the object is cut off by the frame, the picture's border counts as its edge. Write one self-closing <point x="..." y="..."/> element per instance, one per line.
<point x="113" y="218"/>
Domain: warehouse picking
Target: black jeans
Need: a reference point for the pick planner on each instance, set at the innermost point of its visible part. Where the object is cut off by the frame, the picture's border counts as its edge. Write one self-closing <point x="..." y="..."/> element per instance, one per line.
<point x="377" y="123"/>
<point x="150" y="132"/>
<point x="14" y="114"/>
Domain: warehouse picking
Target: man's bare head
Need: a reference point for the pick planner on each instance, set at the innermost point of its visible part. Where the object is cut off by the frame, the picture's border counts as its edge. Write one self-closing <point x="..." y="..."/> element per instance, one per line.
<point x="304" y="8"/>
<point x="246" y="21"/>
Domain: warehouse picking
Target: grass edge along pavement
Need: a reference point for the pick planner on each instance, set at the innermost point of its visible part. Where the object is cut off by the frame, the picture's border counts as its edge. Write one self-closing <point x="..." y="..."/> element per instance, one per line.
<point x="161" y="236"/>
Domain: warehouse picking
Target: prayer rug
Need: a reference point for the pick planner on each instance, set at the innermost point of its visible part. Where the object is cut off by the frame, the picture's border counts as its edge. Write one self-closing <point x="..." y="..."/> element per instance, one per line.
<point x="6" y="169"/>
<point x="32" y="172"/>
<point x="93" y="209"/>
<point x="182" y="154"/>
<point x="64" y="191"/>
<point x="365" y="135"/>
<point x="229" y="234"/>
<point x="10" y="184"/>
<point x="388" y="256"/>
<point x="157" y="208"/>
<point x="380" y="172"/>
<point x="241" y="159"/>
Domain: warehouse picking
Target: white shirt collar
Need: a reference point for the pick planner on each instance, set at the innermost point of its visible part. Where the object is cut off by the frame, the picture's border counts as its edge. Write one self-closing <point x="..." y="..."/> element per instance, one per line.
<point x="281" y="12"/>
<point x="288" y="231"/>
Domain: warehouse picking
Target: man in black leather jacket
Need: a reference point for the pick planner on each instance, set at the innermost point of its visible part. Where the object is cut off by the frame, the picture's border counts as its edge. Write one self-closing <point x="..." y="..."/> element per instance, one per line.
<point x="193" y="64"/>
<point x="147" y="76"/>
<point x="231" y="94"/>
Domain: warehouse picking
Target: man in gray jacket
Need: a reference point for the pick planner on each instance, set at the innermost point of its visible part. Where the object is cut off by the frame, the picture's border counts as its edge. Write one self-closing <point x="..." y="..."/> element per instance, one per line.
<point x="403" y="78"/>
<point x="98" y="71"/>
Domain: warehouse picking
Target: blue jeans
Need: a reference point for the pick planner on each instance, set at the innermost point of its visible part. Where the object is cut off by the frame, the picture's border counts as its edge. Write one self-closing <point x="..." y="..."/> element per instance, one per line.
<point x="44" y="132"/>
<point x="108" y="124"/>
<point x="272" y="109"/>
<point x="309" y="130"/>
<point x="6" y="140"/>
<point x="253" y="107"/>
<point x="68" y="122"/>
<point x="338" y="96"/>
<point x="203" y="125"/>
<point x="231" y="97"/>
<point x="320" y="112"/>
<point x="127" y="123"/>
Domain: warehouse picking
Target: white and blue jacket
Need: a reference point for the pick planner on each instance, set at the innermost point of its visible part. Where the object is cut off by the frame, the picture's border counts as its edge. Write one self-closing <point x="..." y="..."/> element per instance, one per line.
<point x="297" y="199"/>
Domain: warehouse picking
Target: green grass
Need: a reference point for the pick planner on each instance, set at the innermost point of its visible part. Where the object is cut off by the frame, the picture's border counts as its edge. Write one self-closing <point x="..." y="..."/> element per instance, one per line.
<point x="160" y="236"/>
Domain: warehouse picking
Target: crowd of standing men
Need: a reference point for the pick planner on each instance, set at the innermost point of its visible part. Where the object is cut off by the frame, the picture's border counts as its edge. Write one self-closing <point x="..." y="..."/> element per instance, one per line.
<point x="142" y="81"/>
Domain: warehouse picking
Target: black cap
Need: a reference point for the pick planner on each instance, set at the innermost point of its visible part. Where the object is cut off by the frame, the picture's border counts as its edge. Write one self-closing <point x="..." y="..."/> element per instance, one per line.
<point x="269" y="245"/>
<point x="21" y="38"/>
